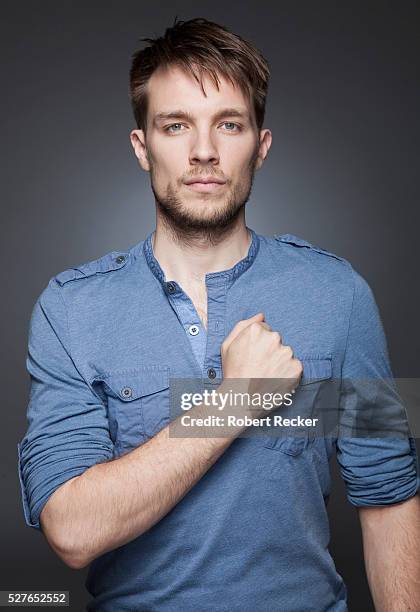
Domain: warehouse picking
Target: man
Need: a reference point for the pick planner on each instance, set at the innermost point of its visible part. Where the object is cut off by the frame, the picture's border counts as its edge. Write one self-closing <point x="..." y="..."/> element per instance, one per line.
<point x="195" y="522"/>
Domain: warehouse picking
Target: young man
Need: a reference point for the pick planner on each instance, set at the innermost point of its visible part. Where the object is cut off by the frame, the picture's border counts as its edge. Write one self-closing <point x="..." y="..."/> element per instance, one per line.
<point x="210" y="523"/>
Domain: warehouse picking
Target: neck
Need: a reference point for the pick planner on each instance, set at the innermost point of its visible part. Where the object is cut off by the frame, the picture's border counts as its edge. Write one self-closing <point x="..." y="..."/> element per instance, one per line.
<point x="189" y="261"/>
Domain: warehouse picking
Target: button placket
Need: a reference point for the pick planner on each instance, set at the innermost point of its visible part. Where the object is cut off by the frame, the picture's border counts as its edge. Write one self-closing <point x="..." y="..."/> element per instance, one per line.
<point x="217" y="288"/>
<point x="186" y="312"/>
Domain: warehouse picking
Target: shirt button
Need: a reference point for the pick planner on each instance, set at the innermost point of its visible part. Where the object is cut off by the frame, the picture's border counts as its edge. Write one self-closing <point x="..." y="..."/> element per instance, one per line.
<point x="171" y="287"/>
<point x="120" y="259"/>
<point x="194" y="330"/>
<point x="211" y="373"/>
<point x="126" y="392"/>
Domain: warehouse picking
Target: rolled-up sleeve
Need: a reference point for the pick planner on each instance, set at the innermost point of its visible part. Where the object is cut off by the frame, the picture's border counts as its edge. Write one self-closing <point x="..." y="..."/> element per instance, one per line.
<point x="67" y="422"/>
<point x="375" y="450"/>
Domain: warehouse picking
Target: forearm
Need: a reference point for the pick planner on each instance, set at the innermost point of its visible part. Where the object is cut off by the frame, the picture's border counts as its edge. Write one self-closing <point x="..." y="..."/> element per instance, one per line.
<point x="391" y="543"/>
<point x="114" y="502"/>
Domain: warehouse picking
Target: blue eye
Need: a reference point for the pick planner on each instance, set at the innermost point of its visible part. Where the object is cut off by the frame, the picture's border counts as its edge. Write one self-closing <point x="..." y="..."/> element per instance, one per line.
<point x="173" y="127"/>
<point x="168" y="129"/>
<point x="230" y="123"/>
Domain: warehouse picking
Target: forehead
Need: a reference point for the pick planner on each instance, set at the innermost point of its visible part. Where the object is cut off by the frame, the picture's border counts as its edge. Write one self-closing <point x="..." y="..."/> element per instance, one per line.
<point x="172" y="87"/>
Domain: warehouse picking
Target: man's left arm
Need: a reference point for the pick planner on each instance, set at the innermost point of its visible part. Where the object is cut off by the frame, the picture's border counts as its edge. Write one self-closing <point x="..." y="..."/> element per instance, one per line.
<point x="391" y="545"/>
<point x="378" y="459"/>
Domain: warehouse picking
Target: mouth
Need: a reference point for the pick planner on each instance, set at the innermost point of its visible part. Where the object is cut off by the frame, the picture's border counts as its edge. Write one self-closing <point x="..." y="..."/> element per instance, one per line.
<point x="205" y="185"/>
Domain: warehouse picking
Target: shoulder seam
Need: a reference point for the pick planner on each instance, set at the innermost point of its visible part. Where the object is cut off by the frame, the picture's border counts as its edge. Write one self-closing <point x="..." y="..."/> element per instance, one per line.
<point x="299" y="242"/>
<point x="115" y="260"/>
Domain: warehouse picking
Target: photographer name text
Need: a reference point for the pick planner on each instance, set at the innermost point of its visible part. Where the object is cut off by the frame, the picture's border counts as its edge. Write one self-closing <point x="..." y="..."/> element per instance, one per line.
<point x="235" y="421"/>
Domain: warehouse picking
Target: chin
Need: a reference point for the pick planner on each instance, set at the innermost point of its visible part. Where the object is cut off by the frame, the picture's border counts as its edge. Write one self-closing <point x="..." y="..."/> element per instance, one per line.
<point x="208" y="213"/>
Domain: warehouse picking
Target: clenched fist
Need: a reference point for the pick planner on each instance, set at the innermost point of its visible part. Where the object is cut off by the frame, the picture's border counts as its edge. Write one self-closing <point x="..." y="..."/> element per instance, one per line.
<point x="253" y="352"/>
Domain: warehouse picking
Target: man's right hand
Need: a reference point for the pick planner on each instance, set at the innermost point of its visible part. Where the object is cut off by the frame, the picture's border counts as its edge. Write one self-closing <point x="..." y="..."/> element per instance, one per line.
<point x="253" y="352"/>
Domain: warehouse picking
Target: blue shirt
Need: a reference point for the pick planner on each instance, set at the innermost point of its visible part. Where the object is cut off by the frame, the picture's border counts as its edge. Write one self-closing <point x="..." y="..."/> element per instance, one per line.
<point x="105" y="339"/>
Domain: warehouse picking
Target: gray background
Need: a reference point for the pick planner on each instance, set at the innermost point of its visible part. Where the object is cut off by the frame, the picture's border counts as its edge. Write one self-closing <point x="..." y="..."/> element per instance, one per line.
<point x="342" y="173"/>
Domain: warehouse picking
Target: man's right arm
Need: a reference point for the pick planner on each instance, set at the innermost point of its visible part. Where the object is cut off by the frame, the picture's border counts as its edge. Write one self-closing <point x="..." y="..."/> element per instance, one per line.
<point x="112" y="503"/>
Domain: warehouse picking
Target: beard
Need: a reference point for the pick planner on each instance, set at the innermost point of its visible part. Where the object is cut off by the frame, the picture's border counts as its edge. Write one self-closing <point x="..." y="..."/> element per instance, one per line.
<point x="194" y="222"/>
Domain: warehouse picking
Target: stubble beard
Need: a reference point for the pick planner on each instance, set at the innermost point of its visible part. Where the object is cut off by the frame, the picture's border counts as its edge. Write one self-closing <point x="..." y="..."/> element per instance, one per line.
<point x="189" y="228"/>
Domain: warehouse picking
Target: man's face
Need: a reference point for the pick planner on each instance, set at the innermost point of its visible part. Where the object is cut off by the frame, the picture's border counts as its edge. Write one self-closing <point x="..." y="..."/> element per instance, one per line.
<point x="191" y="137"/>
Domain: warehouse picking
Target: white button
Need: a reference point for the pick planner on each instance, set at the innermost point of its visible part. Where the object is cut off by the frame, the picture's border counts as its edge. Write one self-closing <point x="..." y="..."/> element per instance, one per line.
<point x="194" y="330"/>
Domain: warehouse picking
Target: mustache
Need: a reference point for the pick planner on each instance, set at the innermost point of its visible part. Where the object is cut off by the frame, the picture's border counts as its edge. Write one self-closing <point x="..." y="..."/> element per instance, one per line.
<point x="204" y="174"/>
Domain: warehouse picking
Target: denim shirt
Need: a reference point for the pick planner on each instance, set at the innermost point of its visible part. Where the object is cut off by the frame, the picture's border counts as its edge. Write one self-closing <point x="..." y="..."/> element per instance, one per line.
<point x="106" y="337"/>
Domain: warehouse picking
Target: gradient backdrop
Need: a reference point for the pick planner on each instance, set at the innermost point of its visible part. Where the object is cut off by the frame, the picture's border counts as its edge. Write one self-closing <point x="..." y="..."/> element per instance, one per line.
<point x="342" y="173"/>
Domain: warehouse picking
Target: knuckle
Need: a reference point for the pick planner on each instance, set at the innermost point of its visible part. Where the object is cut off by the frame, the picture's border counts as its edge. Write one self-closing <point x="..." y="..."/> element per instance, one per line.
<point x="298" y="365"/>
<point x="288" y="350"/>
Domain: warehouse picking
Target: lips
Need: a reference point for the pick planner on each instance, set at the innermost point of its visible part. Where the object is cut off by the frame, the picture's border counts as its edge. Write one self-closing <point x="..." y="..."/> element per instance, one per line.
<point x="208" y="187"/>
<point x="205" y="181"/>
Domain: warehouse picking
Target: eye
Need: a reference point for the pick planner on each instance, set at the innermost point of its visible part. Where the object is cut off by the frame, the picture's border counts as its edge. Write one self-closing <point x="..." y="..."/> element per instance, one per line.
<point x="232" y="124"/>
<point x="169" y="128"/>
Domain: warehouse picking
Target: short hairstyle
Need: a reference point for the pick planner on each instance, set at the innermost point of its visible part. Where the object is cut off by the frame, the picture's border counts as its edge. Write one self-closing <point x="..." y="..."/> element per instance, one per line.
<point x="200" y="46"/>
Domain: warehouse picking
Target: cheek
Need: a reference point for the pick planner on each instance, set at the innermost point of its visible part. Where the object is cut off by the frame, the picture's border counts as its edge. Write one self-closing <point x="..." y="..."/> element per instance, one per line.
<point x="162" y="172"/>
<point x="168" y="162"/>
<point x="236" y="159"/>
<point x="238" y="170"/>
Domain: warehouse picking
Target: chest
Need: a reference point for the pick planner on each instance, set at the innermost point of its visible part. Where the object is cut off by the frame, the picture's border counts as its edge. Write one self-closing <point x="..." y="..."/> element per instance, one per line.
<point x="197" y="294"/>
<point x="143" y="349"/>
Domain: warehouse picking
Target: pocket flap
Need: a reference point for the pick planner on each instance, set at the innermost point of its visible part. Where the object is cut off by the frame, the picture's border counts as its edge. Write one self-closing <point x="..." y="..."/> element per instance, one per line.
<point x="132" y="384"/>
<point x="315" y="369"/>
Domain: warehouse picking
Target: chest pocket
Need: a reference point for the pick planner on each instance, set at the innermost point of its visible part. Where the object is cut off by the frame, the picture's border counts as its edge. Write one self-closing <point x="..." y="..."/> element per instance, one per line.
<point x="306" y="404"/>
<point x="138" y="404"/>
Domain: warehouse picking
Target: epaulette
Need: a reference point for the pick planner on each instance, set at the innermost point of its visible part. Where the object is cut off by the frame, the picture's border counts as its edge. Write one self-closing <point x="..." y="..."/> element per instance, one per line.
<point x="299" y="242"/>
<point x="111" y="261"/>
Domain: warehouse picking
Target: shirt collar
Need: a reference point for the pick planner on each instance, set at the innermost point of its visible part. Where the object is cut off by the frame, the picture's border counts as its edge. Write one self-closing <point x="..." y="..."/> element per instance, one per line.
<point x="226" y="277"/>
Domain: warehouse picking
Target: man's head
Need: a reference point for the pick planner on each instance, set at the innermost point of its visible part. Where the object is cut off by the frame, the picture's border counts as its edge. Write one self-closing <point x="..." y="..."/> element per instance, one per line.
<point x="198" y="96"/>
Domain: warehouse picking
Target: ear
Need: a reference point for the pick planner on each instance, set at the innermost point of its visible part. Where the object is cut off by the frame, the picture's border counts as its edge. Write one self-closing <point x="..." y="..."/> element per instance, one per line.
<point x="265" y="144"/>
<point x="138" y="142"/>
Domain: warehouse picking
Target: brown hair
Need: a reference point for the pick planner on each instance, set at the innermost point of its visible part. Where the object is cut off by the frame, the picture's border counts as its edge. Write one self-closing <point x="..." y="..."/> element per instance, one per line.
<point x="201" y="46"/>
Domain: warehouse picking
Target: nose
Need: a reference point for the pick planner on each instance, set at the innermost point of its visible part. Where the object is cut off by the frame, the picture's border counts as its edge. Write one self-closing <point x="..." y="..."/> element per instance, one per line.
<point x="203" y="149"/>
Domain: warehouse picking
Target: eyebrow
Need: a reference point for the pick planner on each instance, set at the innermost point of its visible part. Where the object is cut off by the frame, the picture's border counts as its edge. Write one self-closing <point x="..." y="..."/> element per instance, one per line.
<point x="179" y="114"/>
